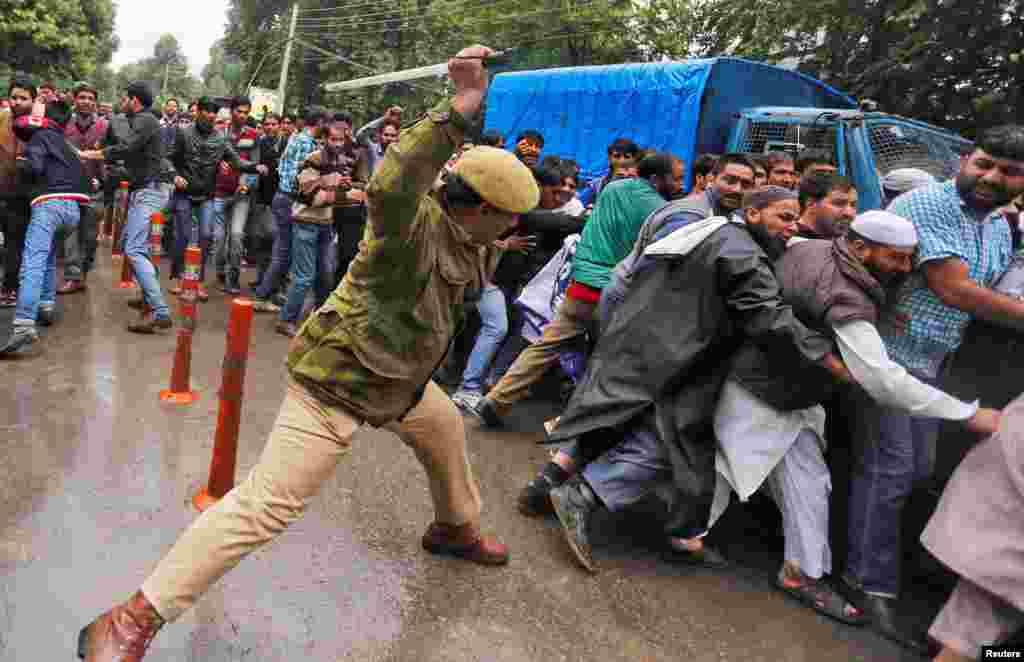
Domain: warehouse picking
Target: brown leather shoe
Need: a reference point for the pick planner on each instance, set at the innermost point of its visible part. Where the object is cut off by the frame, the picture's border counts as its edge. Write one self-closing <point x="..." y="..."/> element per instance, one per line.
<point x="286" y="328"/>
<point x="148" y="324"/>
<point x="465" y="542"/>
<point x="122" y="634"/>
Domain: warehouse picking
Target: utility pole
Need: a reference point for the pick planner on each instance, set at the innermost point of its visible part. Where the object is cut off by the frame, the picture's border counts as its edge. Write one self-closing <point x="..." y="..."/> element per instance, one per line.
<point x="283" y="83"/>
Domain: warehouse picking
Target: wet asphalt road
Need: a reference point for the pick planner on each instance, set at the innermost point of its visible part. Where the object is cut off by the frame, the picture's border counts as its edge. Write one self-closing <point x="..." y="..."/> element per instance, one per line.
<point x="95" y="481"/>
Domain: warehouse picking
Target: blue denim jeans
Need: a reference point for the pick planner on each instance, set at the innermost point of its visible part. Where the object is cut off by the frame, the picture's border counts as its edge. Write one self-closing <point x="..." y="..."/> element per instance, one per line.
<point x="893" y="451"/>
<point x="80" y="243"/>
<point x="187" y="231"/>
<point x="628" y="472"/>
<point x="142" y="205"/>
<point x="281" y="256"/>
<point x="228" y="238"/>
<point x="312" y="262"/>
<point x="38" y="277"/>
<point x="493" y="329"/>
<point x="611" y="296"/>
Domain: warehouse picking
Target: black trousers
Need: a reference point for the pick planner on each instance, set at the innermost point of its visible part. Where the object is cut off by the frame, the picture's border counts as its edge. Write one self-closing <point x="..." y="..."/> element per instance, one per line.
<point x="16" y="216"/>
<point x="350" y="223"/>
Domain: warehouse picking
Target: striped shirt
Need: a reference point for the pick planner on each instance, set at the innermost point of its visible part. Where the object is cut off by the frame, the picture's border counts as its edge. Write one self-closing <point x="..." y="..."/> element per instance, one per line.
<point x="947" y="228"/>
<point x="299" y="147"/>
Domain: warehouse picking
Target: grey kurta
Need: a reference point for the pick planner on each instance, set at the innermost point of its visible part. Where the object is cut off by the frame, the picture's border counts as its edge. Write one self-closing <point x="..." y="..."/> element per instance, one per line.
<point x="978" y="528"/>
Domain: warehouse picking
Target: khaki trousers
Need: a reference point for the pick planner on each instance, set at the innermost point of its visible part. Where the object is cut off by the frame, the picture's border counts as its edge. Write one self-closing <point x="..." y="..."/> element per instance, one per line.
<point x="307" y="442"/>
<point x="571" y="321"/>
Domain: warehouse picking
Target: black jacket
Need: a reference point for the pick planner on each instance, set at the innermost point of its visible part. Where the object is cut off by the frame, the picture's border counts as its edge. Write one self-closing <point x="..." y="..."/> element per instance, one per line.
<point x="51" y="166"/>
<point x="196" y="157"/>
<point x="550" y="228"/>
<point x="271" y="148"/>
<point x="135" y="139"/>
<point x="665" y="353"/>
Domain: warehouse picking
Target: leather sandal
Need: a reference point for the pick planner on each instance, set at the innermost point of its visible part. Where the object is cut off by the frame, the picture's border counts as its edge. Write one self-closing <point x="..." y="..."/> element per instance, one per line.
<point x="822" y="598"/>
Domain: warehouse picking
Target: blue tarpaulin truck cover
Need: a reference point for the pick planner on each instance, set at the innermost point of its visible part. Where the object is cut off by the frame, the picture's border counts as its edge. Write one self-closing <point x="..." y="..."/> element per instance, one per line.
<point x="687" y="108"/>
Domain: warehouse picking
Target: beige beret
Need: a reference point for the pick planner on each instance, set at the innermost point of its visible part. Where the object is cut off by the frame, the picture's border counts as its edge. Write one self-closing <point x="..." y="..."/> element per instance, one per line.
<point x="499" y="178"/>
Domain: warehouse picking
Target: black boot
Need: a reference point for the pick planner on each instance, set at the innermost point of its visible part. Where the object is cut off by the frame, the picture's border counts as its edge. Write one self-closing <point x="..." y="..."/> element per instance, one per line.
<point x="574" y="503"/>
<point x="883" y="614"/>
<point x="535" y="498"/>
<point x="231" y="285"/>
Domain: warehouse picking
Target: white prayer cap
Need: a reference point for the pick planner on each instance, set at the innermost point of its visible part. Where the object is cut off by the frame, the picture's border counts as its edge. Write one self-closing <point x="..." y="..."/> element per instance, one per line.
<point x="886" y="228"/>
<point x="902" y="180"/>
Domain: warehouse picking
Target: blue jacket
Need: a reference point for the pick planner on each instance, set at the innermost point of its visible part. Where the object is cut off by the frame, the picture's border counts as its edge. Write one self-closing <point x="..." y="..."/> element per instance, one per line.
<point x="52" y="168"/>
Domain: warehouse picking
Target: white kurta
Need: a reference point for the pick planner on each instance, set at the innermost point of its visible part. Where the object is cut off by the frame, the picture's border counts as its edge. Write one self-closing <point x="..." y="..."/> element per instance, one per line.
<point x="753" y="436"/>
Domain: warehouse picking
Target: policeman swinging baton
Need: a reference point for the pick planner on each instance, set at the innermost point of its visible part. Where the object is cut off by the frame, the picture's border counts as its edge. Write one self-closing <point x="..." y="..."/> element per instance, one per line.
<point x="433" y="70"/>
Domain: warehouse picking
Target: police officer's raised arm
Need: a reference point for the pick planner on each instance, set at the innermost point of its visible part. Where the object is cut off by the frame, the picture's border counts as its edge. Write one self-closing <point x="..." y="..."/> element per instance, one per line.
<point x="411" y="166"/>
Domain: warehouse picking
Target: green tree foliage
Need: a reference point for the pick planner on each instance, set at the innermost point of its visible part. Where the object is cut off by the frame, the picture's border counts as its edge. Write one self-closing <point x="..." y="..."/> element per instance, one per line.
<point x="362" y="38"/>
<point x="951" y="62"/>
<point x="957" y="63"/>
<point x="167" y="65"/>
<point x="61" y="39"/>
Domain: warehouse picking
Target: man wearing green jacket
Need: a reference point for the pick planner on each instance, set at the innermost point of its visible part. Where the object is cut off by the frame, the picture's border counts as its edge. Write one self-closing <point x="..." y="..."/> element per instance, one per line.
<point x="608" y="237"/>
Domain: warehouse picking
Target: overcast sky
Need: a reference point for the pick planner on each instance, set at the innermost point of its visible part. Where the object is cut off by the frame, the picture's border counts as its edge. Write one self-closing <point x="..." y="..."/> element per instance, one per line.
<point x="196" y="24"/>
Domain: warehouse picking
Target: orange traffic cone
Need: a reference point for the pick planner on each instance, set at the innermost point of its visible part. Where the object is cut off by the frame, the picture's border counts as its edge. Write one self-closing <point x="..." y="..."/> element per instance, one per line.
<point x="180" y="392"/>
<point x="156" y="235"/>
<point x="126" y="282"/>
<point x="225" y="444"/>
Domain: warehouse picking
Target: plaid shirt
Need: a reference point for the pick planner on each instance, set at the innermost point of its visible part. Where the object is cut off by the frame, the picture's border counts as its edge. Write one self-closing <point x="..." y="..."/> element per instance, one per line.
<point x="946" y="227"/>
<point x="299" y="147"/>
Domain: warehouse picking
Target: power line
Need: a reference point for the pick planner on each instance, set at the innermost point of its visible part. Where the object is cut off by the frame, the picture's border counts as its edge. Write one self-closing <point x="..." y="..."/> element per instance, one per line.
<point x="359" y="20"/>
<point x="364" y="67"/>
<point x="510" y="35"/>
<point x="508" y="21"/>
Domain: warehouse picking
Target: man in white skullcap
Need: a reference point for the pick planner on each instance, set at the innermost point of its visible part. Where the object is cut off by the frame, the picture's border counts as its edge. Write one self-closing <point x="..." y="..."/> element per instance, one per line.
<point x="769" y="422"/>
<point x="897" y="182"/>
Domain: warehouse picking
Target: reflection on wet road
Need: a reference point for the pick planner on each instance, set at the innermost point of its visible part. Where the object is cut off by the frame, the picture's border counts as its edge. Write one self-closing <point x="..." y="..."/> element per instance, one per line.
<point x="96" y="476"/>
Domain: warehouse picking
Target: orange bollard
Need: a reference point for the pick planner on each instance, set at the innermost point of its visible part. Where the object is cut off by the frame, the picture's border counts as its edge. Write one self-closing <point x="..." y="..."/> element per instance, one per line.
<point x="156" y="235"/>
<point x="120" y="216"/>
<point x="180" y="393"/>
<point x="225" y="444"/>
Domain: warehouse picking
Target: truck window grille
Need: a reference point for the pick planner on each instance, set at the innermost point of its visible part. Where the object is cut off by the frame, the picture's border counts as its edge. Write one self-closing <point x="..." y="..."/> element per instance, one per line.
<point x="904" y="146"/>
<point x="771" y="136"/>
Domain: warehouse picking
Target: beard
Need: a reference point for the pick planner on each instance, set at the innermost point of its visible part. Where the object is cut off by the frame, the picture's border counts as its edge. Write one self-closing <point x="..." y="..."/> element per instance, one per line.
<point x="204" y="127"/>
<point x="730" y="202"/>
<point x="772" y="245"/>
<point x="891" y="281"/>
<point x="834" y="227"/>
<point x="967" y="186"/>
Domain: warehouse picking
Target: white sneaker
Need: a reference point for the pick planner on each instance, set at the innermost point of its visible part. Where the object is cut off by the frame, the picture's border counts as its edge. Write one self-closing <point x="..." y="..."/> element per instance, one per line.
<point x="467" y="400"/>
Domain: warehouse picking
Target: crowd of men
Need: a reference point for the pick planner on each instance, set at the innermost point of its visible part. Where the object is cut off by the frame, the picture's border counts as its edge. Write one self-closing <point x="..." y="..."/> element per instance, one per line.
<point x="716" y="341"/>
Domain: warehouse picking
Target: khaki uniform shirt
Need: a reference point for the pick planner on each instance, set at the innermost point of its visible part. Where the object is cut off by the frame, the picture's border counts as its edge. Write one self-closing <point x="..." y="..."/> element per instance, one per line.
<point x="377" y="340"/>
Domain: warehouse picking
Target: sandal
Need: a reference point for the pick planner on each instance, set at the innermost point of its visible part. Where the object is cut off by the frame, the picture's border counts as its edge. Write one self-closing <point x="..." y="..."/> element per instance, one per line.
<point x="822" y="598"/>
